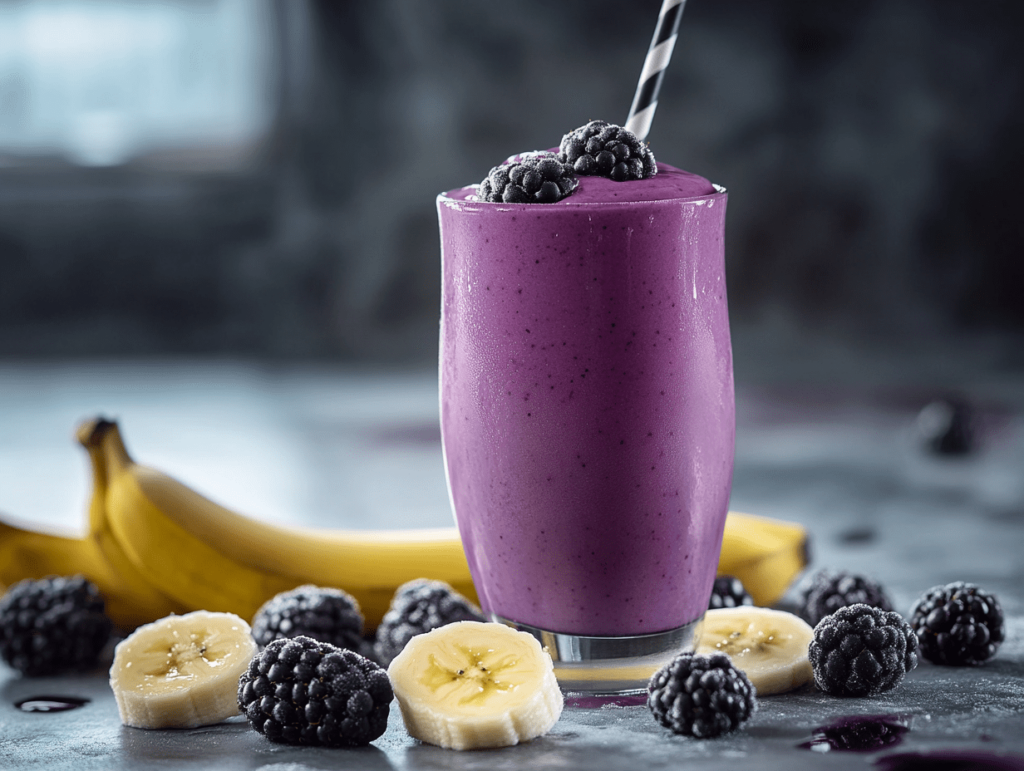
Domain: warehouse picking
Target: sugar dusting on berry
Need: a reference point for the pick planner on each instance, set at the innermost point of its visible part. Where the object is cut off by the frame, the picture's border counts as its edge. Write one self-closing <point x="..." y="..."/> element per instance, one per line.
<point x="301" y="691"/>
<point x="604" y="149"/>
<point x="536" y="177"/>
<point x="862" y="651"/>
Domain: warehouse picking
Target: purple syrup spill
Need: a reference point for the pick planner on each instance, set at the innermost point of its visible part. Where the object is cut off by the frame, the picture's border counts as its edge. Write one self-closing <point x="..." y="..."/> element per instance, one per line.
<point x="50" y="703"/>
<point x="857" y="733"/>
<point x="950" y="760"/>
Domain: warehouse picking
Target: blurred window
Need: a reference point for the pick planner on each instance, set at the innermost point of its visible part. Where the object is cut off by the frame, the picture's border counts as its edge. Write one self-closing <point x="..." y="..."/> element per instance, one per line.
<point x="102" y="82"/>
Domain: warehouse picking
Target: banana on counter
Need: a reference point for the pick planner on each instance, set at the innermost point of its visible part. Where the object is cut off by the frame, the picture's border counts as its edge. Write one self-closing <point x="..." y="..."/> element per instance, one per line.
<point x="154" y="546"/>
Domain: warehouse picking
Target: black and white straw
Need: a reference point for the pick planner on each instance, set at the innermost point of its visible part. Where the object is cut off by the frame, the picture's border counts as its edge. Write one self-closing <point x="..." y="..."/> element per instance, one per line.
<point x="646" y="100"/>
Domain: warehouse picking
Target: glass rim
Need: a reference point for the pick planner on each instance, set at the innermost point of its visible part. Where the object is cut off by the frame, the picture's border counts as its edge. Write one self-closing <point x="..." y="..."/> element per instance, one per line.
<point x="567" y="203"/>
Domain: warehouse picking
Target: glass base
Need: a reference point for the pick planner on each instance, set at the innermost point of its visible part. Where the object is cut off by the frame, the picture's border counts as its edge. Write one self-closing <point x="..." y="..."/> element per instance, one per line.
<point x="610" y="666"/>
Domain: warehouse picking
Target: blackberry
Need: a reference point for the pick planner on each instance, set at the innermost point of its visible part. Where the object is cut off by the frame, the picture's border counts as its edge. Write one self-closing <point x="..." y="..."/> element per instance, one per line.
<point x="529" y="178"/>
<point x="606" y="150"/>
<point x="958" y="624"/>
<point x="301" y="691"/>
<point x="417" y="607"/>
<point x="328" y="615"/>
<point x="729" y="592"/>
<point x="947" y="427"/>
<point x="861" y="651"/>
<point x="829" y="592"/>
<point x="366" y="648"/>
<point x="56" y="624"/>
<point x="701" y="696"/>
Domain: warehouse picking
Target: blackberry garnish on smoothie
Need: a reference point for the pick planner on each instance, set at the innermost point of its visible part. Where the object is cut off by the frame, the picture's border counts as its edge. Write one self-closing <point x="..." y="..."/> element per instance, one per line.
<point x="538" y="177"/>
<point x="606" y="150"/>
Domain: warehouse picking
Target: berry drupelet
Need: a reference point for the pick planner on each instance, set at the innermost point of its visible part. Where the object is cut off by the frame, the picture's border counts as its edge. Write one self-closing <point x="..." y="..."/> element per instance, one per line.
<point x="701" y="696"/>
<point x="417" y="607"/>
<point x="729" y="592"/>
<point x="301" y="691"/>
<point x="328" y="615"/>
<point x="56" y="624"/>
<point x="538" y="177"/>
<point x="604" y="149"/>
<point x="861" y="651"/>
<point x="829" y="592"/>
<point x="958" y="624"/>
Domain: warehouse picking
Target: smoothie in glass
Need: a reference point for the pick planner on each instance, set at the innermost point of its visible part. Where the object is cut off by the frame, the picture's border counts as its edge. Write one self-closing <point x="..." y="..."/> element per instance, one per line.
<point x="587" y="414"/>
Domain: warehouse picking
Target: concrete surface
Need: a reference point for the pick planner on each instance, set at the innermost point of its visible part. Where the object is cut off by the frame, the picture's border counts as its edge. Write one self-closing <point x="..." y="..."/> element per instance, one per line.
<point x="334" y="447"/>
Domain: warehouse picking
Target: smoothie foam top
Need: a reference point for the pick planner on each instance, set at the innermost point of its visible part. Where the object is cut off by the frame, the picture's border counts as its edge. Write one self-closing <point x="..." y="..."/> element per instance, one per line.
<point x="669" y="183"/>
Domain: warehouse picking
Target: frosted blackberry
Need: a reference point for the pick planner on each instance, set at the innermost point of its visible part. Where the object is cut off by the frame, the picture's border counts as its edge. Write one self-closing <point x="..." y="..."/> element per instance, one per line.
<point x="829" y="592"/>
<point x="729" y="592"/>
<point x="301" y="691"/>
<point x="56" y="624"/>
<point x="529" y="178"/>
<point x="606" y="150"/>
<point x="327" y="615"/>
<point x="417" y="607"/>
<point x="862" y="651"/>
<point x="701" y="696"/>
<point x="958" y="624"/>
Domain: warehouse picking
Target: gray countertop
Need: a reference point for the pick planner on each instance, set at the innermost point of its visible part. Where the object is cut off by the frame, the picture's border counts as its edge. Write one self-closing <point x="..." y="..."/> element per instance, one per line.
<point x="341" y="448"/>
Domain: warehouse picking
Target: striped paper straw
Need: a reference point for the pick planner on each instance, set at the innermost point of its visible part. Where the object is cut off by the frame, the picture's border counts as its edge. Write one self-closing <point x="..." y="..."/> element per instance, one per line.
<point x="646" y="100"/>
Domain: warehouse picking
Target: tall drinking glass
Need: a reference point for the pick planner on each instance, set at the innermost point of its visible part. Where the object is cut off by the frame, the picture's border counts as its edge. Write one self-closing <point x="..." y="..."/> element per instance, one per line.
<point x="587" y="415"/>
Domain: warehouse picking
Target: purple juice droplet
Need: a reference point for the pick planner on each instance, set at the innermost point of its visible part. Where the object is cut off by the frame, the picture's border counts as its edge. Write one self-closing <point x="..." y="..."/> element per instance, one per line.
<point x="857" y="733"/>
<point x="50" y="703"/>
<point x="950" y="760"/>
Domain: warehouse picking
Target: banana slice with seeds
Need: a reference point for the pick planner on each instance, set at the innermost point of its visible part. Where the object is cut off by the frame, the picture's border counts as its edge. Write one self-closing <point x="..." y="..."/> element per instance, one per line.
<point x="473" y="685"/>
<point x="770" y="646"/>
<point x="181" y="671"/>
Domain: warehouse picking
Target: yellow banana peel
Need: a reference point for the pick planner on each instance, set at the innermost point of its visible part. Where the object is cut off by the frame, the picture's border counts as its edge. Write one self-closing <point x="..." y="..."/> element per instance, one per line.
<point x="154" y="546"/>
<point x="27" y="553"/>
<point x="765" y="554"/>
<point x="208" y="557"/>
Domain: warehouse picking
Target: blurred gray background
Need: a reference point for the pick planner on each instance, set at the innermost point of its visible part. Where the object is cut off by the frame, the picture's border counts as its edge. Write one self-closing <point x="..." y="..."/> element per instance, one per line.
<point x="217" y="226"/>
<point x="257" y="179"/>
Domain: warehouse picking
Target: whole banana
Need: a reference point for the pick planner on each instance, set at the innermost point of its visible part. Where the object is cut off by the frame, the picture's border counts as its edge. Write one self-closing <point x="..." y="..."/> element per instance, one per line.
<point x="155" y="546"/>
<point x="206" y="556"/>
<point x="130" y="600"/>
<point x="210" y="557"/>
<point x="765" y="554"/>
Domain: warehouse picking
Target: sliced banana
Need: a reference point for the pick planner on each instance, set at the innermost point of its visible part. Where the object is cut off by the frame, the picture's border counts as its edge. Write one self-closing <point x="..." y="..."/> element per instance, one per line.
<point x="181" y="671"/>
<point x="770" y="646"/>
<point x="473" y="685"/>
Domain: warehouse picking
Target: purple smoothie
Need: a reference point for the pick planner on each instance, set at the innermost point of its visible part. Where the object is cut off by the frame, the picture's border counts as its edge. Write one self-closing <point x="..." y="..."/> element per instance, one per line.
<point x="587" y="408"/>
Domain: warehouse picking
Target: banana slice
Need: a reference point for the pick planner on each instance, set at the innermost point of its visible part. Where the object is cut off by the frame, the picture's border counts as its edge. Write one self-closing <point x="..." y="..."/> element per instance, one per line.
<point x="770" y="646"/>
<point x="181" y="671"/>
<point x="473" y="685"/>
